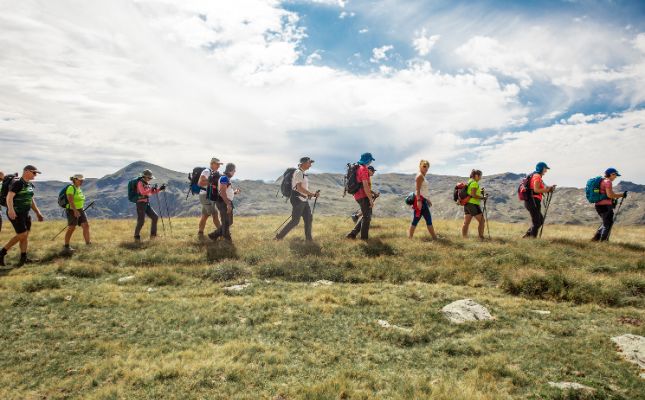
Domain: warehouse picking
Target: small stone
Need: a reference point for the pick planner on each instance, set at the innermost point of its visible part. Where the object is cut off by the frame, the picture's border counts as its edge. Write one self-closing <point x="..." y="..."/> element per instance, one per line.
<point x="237" y="288"/>
<point x="466" y="310"/>
<point x="68" y="298"/>
<point x="571" y="386"/>
<point x="126" y="279"/>
<point x="151" y="289"/>
<point x="322" y="282"/>
<point x="387" y="325"/>
<point x="632" y="348"/>
<point x="541" y="312"/>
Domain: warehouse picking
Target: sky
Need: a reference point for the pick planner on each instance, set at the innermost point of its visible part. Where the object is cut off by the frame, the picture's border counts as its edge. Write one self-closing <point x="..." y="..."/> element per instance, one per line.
<point x="88" y="87"/>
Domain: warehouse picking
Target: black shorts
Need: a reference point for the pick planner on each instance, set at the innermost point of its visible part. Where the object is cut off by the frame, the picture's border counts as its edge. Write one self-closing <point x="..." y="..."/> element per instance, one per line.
<point x="22" y="222"/>
<point x="472" y="209"/>
<point x="73" y="221"/>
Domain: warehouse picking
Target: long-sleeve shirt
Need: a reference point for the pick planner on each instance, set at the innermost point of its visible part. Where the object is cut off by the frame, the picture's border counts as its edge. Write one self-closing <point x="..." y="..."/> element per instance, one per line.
<point x="145" y="190"/>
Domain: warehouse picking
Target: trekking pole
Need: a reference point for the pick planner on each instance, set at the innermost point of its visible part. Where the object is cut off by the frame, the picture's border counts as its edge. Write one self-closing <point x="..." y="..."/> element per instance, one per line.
<point x="546" y="210"/>
<point x="486" y="217"/>
<point x="618" y="210"/>
<point x="314" y="209"/>
<point x="161" y="213"/>
<point x="165" y="200"/>
<point x="63" y="230"/>
<point x="281" y="225"/>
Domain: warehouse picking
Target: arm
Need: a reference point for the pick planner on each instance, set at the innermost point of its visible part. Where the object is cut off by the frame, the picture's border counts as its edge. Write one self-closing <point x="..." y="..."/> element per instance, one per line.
<point x="34" y="207"/>
<point x="366" y="188"/>
<point x="203" y="181"/>
<point x="611" y="195"/>
<point x="10" y="211"/>
<point x="417" y="191"/>
<point x="300" y="189"/>
<point x="473" y="194"/>
<point x="546" y="188"/>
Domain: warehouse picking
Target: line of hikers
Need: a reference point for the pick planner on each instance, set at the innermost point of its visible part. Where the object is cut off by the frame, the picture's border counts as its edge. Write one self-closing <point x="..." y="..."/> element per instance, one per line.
<point x="216" y="194"/>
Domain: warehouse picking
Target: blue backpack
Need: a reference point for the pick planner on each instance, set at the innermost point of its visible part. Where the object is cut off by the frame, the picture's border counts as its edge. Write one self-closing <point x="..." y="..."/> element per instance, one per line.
<point x="133" y="195"/>
<point x="592" y="190"/>
<point x="62" y="196"/>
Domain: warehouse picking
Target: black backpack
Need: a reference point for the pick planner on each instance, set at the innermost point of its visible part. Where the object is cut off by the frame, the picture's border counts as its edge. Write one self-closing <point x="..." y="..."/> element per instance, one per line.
<point x="286" y="187"/>
<point x="193" y="177"/>
<point x="212" y="191"/>
<point x="351" y="181"/>
<point x="524" y="191"/>
<point x="6" y="185"/>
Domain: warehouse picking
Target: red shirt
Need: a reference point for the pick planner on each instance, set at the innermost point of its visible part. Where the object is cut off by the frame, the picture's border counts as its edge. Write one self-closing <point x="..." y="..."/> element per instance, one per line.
<point x="604" y="185"/>
<point x="536" y="181"/>
<point x="362" y="175"/>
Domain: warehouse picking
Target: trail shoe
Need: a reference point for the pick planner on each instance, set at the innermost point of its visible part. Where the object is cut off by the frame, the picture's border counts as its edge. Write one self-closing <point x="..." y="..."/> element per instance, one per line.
<point x="3" y="253"/>
<point x="350" y="236"/>
<point x="137" y="239"/>
<point x="355" y="217"/>
<point x="68" y="250"/>
<point x="214" y="235"/>
<point x="25" y="260"/>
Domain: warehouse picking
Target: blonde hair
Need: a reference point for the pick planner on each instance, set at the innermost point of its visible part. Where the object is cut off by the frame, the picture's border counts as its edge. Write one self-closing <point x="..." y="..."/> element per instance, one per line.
<point x="424" y="162"/>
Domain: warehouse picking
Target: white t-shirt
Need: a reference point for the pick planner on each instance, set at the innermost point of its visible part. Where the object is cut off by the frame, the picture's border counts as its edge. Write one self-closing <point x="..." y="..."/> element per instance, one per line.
<point x="207" y="173"/>
<point x="230" y="192"/>
<point x="300" y="177"/>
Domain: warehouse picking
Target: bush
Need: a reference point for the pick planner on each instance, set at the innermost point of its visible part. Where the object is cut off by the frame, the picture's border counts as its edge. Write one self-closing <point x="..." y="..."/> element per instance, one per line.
<point x="161" y="278"/>
<point x="227" y="271"/>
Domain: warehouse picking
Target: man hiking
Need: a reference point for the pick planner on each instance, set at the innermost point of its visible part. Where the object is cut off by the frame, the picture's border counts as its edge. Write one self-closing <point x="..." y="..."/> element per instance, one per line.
<point x="225" y="204"/>
<point x="363" y="197"/>
<point x="20" y="201"/>
<point x="605" y="207"/>
<point x="209" y="208"/>
<point x="299" y="198"/>
<point x="472" y="209"/>
<point x="144" y="191"/>
<point x="75" y="213"/>
<point x="1" y="179"/>
<point x="533" y="203"/>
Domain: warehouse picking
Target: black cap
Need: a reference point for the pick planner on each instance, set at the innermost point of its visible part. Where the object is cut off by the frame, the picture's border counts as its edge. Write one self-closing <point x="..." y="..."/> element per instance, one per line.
<point x="371" y="168"/>
<point x="305" y="159"/>
<point x="32" y="169"/>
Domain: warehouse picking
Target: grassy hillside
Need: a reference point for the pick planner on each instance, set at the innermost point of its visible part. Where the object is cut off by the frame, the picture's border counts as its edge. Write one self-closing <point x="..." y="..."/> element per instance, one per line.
<point x="70" y="328"/>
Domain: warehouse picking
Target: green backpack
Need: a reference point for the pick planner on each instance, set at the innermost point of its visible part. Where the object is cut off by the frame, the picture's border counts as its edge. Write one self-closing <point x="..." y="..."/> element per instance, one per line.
<point x="62" y="196"/>
<point x="133" y="195"/>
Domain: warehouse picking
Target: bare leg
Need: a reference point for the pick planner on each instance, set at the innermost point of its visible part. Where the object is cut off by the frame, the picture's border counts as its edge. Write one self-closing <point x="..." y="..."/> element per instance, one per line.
<point x="69" y="233"/>
<point x="480" y="228"/>
<point x="464" y="228"/>
<point x="12" y="242"/>
<point x="86" y="232"/>
<point x="202" y="222"/>
<point x="216" y="220"/>
<point x="431" y="232"/>
<point x="411" y="231"/>
<point x="24" y="242"/>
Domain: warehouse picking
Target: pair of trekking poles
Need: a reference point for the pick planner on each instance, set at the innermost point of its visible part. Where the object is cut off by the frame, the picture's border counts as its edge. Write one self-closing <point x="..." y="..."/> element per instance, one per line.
<point x="313" y="210"/>
<point x="165" y="200"/>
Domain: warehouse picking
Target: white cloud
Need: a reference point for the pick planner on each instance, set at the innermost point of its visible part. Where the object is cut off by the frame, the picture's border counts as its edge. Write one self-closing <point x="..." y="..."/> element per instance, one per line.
<point x="363" y="31"/>
<point x="313" y="57"/>
<point x="423" y="43"/>
<point x="346" y="14"/>
<point x="379" y="54"/>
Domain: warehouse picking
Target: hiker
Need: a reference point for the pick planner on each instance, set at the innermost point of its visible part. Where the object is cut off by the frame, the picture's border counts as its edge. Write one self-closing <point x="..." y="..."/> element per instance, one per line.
<point x="358" y="214"/>
<point x="472" y="208"/>
<point x="144" y="191"/>
<point x="363" y="197"/>
<point x="605" y="207"/>
<point x="208" y="205"/>
<point x="299" y="198"/>
<point x="1" y="179"/>
<point x="534" y="201"/>
<point x="75" y="213"/>
<point x="421" y="204"/>
<point x="20" y="200"/>
<point x="225" y="204"/>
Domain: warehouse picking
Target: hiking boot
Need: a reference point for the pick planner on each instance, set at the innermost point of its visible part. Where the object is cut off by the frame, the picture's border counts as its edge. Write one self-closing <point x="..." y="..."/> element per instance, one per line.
<point x="137" y="239"/>
<point x="350" y="236"/>
<point x="213" y="235"/>
<point x="355" y="217"/>
<point x="68" y="250"/>
<point x="3" y="253"/>
<point x="25" y="260"/>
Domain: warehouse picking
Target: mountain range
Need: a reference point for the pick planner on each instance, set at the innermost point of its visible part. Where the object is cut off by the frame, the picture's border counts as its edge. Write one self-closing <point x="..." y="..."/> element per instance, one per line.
<point x="569" y="205"/>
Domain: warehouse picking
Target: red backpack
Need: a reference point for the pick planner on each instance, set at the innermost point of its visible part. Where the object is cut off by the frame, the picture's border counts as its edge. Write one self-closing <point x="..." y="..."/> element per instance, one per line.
<point x="524" y="191"/>
<point x="460" y="195"/>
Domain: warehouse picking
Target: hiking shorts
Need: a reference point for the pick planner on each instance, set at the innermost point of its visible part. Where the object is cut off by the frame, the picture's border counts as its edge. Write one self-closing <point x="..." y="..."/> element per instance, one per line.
<point x="472" y="209"/>
<point x="22" y="222"/>
<point x="208" y="206"/>
<point x="73" y="221"/>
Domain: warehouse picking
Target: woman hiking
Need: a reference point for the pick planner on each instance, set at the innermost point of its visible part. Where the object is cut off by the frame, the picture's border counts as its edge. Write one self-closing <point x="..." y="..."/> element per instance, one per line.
<point x="605" y="207"/>
<point x="421" y="204"/>
<point x="472" y="208"/>
<point x="534" y="201"/>
<point x="144" y="191"/>
<point x="75" y="213"/>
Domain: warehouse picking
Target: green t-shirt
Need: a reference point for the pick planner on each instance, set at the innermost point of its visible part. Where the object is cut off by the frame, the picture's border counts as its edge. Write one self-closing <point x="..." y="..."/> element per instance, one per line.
<point x="473" y="184"/>
<point x="79" y="197"/>
<point x="24" y="194"/>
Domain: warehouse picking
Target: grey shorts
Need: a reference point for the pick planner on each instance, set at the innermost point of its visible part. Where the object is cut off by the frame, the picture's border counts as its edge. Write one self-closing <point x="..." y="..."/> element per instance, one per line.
<point x="472" y="209"/>
<point x="208" y="206"/>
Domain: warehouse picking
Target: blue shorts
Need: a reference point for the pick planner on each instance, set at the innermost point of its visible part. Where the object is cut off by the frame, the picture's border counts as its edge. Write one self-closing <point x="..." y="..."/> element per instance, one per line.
<point x="425" y="213"/>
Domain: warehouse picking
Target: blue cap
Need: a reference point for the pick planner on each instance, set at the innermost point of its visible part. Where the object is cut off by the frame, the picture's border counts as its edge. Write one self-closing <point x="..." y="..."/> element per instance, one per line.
<point x="541" y="166"/>
<point x="610" y="171"/>
<point x="366" y="158"/>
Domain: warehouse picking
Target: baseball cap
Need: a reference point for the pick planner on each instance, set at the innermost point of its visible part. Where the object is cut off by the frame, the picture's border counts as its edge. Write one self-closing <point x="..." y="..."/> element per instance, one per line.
<point x="305" y="159"/>
<point x="216" y="160"/>
<point x="32" y="169"/>
<point x="371" y="168"/>
<point x="147" y="173"/>
<point x="541" y="166"/>
<point x="78" y="176"/>
<point x="610" y="171"/>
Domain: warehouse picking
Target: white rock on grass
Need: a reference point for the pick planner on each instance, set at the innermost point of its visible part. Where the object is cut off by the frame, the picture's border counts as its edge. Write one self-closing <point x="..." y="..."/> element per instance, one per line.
<point x="383" y="323"/>
<point x="322" y="282"/>
<point x="633" y="349"/>
<point x="151" y="289"/>
<point x="466" y="310"/>
<point x="541" y="312"/>
<point x="237" y="288"/>
<point x="126" y="279"/>
<point x="571" y="386"/>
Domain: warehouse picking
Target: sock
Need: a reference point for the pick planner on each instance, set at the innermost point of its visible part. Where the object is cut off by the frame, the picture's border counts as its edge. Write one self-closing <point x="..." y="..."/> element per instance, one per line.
<point x="3" y="252"/>
<point x="23" y="255"/>
<point x="66" y="246"/>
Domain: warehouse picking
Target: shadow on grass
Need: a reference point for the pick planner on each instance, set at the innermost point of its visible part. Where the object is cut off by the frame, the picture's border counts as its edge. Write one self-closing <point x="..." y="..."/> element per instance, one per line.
<point x="630" y="246"/>
<point x="305" y="248"/>
<point x="376" y="248"/>
<point x="570" y="242"/>
<point x="53" y="255"/>
<point x="135" y="245"/>
<point x="220" y="250"/>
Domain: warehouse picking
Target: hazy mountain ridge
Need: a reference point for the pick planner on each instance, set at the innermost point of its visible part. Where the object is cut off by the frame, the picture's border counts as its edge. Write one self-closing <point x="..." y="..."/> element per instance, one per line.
<point x="258" y="197"/>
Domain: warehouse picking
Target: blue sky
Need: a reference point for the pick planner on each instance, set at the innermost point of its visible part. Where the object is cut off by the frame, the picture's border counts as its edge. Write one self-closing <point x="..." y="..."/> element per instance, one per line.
<point x="496" y="85"/>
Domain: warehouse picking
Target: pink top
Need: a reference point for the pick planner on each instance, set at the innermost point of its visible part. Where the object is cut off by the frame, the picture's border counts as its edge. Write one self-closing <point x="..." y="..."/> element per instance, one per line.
<point x="363" y="174"/>
<point x="604" y="185"/>
<point x="145" y="190"/>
